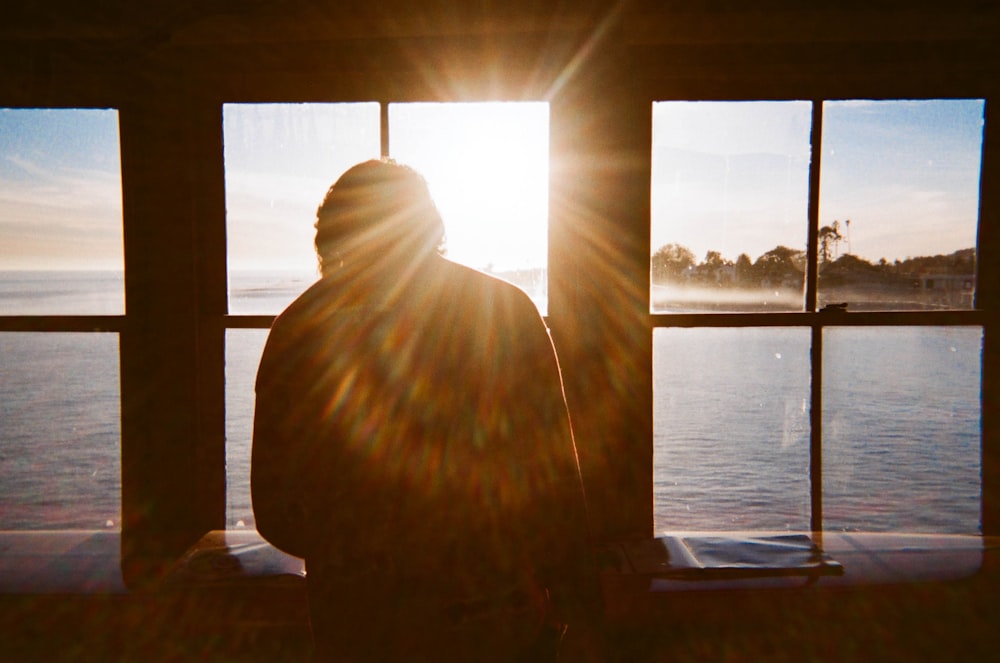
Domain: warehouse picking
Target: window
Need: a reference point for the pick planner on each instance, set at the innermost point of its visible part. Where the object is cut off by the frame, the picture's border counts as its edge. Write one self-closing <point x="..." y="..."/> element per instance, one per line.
<point x="820" y="366"/>
<point x="243" y="350"/>
<point x="729" y="199"/>
<point x="899" y="203"/>
<point x="731" y="428"/>
<point x="61" y="306"/>
<point x="901" y="422"/>
<point x="485" y="163"/>
<point x="280" y="159"/>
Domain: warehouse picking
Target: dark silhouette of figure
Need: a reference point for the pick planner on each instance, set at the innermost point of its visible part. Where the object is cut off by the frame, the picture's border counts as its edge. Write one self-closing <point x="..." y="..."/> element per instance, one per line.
<point x="412" y="444"/>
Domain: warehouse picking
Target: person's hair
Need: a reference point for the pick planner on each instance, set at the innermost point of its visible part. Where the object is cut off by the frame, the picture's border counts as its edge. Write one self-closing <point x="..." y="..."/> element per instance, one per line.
<point x="375" y="210"/>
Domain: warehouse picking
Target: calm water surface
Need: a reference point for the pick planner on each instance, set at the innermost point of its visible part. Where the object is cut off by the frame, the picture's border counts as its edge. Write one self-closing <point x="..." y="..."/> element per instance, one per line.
<point x="901" y="419"/>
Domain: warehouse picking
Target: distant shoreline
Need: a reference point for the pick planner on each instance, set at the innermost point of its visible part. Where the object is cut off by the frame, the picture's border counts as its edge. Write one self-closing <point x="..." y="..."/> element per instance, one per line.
<point x="674" y="298"/>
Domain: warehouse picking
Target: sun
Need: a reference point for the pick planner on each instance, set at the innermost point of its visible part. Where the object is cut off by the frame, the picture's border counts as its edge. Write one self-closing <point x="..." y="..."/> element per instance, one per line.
<point x="486" y="164"/>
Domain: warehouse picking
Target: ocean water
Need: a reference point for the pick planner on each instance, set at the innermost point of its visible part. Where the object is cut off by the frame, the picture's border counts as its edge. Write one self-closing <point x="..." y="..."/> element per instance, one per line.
<point x="60" y="431"/>
<point x="901" y="419"/>
<point x="900" y="434"/>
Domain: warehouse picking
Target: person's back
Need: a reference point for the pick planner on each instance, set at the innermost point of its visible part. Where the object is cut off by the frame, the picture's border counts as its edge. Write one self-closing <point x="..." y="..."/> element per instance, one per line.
<point x="412" y="443"/>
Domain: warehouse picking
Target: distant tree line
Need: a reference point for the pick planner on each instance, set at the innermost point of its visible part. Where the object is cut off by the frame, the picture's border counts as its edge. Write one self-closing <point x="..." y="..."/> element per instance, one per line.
<point x="784" y="267"/>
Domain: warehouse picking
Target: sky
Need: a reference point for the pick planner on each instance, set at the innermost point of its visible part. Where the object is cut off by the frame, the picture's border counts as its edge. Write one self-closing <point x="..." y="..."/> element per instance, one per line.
<point x="60" y="189"/>
<point x="733" y="176"/>
<point x="279" y="161"/>
<point x="727" y="176"/>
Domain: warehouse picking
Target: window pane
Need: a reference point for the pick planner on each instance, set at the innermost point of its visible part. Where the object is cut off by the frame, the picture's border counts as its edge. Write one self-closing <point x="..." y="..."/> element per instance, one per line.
<point x="901" y="429"/>
<point x="487" y="165"/>
<point x="60" y="212"/>
<point x="243" y="351"/>
<point x="899" y="203"/>
<point x="729" y="205"/>
<point x="731" y="428"/>
<point x="59" y="431"/>
<point x="279" y="161"/>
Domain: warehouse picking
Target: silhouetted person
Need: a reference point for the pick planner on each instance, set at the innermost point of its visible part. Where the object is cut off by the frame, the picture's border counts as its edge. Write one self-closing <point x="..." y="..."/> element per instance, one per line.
<point x="412" y="444"/>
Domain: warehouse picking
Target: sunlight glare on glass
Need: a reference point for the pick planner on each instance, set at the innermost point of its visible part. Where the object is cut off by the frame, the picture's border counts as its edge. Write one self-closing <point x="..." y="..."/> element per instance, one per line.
<point x="487" y="166"/>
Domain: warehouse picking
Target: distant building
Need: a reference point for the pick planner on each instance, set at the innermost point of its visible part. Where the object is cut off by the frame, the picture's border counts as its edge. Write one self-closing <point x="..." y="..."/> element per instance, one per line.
<point x="946" y="282"/>
<point x="951" y="289"/>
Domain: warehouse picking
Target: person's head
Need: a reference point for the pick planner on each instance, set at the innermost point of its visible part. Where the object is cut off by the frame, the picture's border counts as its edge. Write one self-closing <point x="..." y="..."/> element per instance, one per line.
<point x="377" y="213"/>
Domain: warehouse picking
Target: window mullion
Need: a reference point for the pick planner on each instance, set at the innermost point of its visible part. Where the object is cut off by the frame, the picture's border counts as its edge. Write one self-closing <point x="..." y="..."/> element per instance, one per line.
<point x="816" y="430"/>
<point x="812" y="241"/>
<point x="384" y="126"/>
<point x="816" y="353"/>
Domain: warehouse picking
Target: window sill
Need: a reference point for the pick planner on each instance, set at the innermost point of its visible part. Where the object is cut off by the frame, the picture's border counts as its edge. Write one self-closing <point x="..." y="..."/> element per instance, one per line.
<point x="704" y="560"/>
<point x="88" y="562"/>
<point x="235" y="591"/>
<point x="61" y="562"/>
<point x="909" y="581"/>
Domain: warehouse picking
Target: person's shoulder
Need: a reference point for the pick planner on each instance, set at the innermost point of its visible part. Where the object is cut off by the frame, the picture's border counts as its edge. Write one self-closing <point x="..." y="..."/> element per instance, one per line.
<point x="290" y="331"/>
<point x="314" y="299"/>
<point x="483" y="285"/>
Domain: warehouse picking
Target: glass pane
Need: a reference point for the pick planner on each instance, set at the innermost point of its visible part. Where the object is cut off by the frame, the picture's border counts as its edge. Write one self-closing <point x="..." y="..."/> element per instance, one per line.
<point x="731" y="429"/>
<point x="60" y="431"/>
<point x="243" y="350"/>
<point x="279" y="161"/>
<point x="60" y="212"/>
<point x="487" y="165"/>
<point x="901" y="429"/>
<point x="729" y="201"/>
<point x="899" y="203"/>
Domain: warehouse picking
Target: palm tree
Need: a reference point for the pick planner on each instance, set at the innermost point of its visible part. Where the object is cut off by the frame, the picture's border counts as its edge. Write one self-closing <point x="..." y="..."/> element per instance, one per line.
<point x="829" y="235"/>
